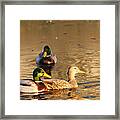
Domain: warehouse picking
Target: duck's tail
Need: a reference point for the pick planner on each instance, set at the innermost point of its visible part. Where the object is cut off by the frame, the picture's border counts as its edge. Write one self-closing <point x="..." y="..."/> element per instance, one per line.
<point x="54" y="58"/>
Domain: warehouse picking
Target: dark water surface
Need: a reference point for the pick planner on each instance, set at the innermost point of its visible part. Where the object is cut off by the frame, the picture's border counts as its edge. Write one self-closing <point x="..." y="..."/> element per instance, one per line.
<point x="74" y="43"/>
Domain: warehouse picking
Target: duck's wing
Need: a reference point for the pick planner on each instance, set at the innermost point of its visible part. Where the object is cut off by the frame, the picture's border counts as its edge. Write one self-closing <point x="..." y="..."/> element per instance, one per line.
<point x="31" y="86"/>
<point x="38" y="58"/>
<point x="26" y="82"/>
<point x="28" y="86"/>
<point x="28" y="89"/>
<point x="56" y="84"/>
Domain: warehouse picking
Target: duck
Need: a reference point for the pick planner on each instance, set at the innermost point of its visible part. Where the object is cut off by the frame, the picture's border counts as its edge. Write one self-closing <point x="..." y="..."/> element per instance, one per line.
<point x="31" y="85"/>
<point x="40" y="84"/>
<point x="46" y="60"/>
<point x="46" y="57"/>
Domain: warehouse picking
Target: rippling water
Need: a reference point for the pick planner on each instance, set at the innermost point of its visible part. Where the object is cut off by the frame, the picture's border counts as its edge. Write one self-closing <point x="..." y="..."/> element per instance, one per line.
<point x="74" y="43"/>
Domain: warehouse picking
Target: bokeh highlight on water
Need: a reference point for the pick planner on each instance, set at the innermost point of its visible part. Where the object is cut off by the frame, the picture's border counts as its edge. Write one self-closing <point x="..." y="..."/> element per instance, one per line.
<point x="75" y="42"/>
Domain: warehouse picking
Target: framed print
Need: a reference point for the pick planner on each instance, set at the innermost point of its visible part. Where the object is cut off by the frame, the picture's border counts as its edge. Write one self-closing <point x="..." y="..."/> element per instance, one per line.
<point x="60" y="59"/>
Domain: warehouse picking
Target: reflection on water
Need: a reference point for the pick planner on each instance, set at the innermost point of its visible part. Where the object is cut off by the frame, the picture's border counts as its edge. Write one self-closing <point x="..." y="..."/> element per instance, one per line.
<point x="74" y="43"/>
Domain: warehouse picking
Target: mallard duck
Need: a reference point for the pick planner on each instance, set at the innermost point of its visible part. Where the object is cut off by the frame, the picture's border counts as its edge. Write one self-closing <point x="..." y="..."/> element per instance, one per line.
<point x="31" y="85"/>
<point x="46" y="60"/>
<point x="48" y="84"/>
<point x="46" y="57"/>
<point x="61" y="84"/>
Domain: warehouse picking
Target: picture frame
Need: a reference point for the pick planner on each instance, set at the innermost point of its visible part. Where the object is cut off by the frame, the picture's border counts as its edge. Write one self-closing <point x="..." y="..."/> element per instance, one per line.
<point x="117" y="56"/>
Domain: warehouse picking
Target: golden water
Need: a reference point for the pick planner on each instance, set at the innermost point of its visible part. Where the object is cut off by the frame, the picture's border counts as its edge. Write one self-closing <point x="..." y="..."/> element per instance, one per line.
<point x="74" y="43"/>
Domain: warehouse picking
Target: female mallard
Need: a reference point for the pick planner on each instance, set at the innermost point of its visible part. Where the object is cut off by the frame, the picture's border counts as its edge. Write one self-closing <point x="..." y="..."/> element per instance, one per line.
<point x="46" y="57"/>
<point x="48" y="84"/>
<point x="61" y="84"/>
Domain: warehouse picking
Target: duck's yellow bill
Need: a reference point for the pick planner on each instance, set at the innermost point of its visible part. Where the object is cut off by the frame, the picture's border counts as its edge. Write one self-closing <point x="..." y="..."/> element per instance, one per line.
<point x="45" y="54"/>
<point x="44" y="75"/>
<point x="47" y="76"/>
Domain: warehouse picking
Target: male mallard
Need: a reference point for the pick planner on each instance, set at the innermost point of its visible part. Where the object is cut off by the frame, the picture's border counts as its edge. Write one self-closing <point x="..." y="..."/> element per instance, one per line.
<point x="48" y="84"/>
<point x="46" y="60"/>
<point x="46" y="57"/>
<point x="32" y="85"/>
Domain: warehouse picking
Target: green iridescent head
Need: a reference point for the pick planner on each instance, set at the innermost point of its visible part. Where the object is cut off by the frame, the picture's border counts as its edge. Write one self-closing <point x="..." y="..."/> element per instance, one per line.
<point x="38" y="73"/>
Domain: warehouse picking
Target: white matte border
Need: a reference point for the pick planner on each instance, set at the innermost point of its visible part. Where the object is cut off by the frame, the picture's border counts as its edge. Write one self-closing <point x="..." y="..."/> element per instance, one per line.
<point x="106" y="15"/>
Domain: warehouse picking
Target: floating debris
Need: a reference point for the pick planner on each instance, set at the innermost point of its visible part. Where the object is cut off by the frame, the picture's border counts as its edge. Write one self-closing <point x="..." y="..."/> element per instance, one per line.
<point x="93" y="38"/>
<point x="65" y="33"/>
<point x="56" y="38"/>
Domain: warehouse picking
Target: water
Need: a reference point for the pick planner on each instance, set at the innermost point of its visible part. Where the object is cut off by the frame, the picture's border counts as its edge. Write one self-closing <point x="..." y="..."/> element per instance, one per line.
<point x="74" y="43"/>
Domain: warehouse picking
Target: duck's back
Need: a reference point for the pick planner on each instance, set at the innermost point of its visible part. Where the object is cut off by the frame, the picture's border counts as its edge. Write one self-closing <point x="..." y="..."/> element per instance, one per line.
<point x="56" y="84"/>
<point x="28" y="86"/>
